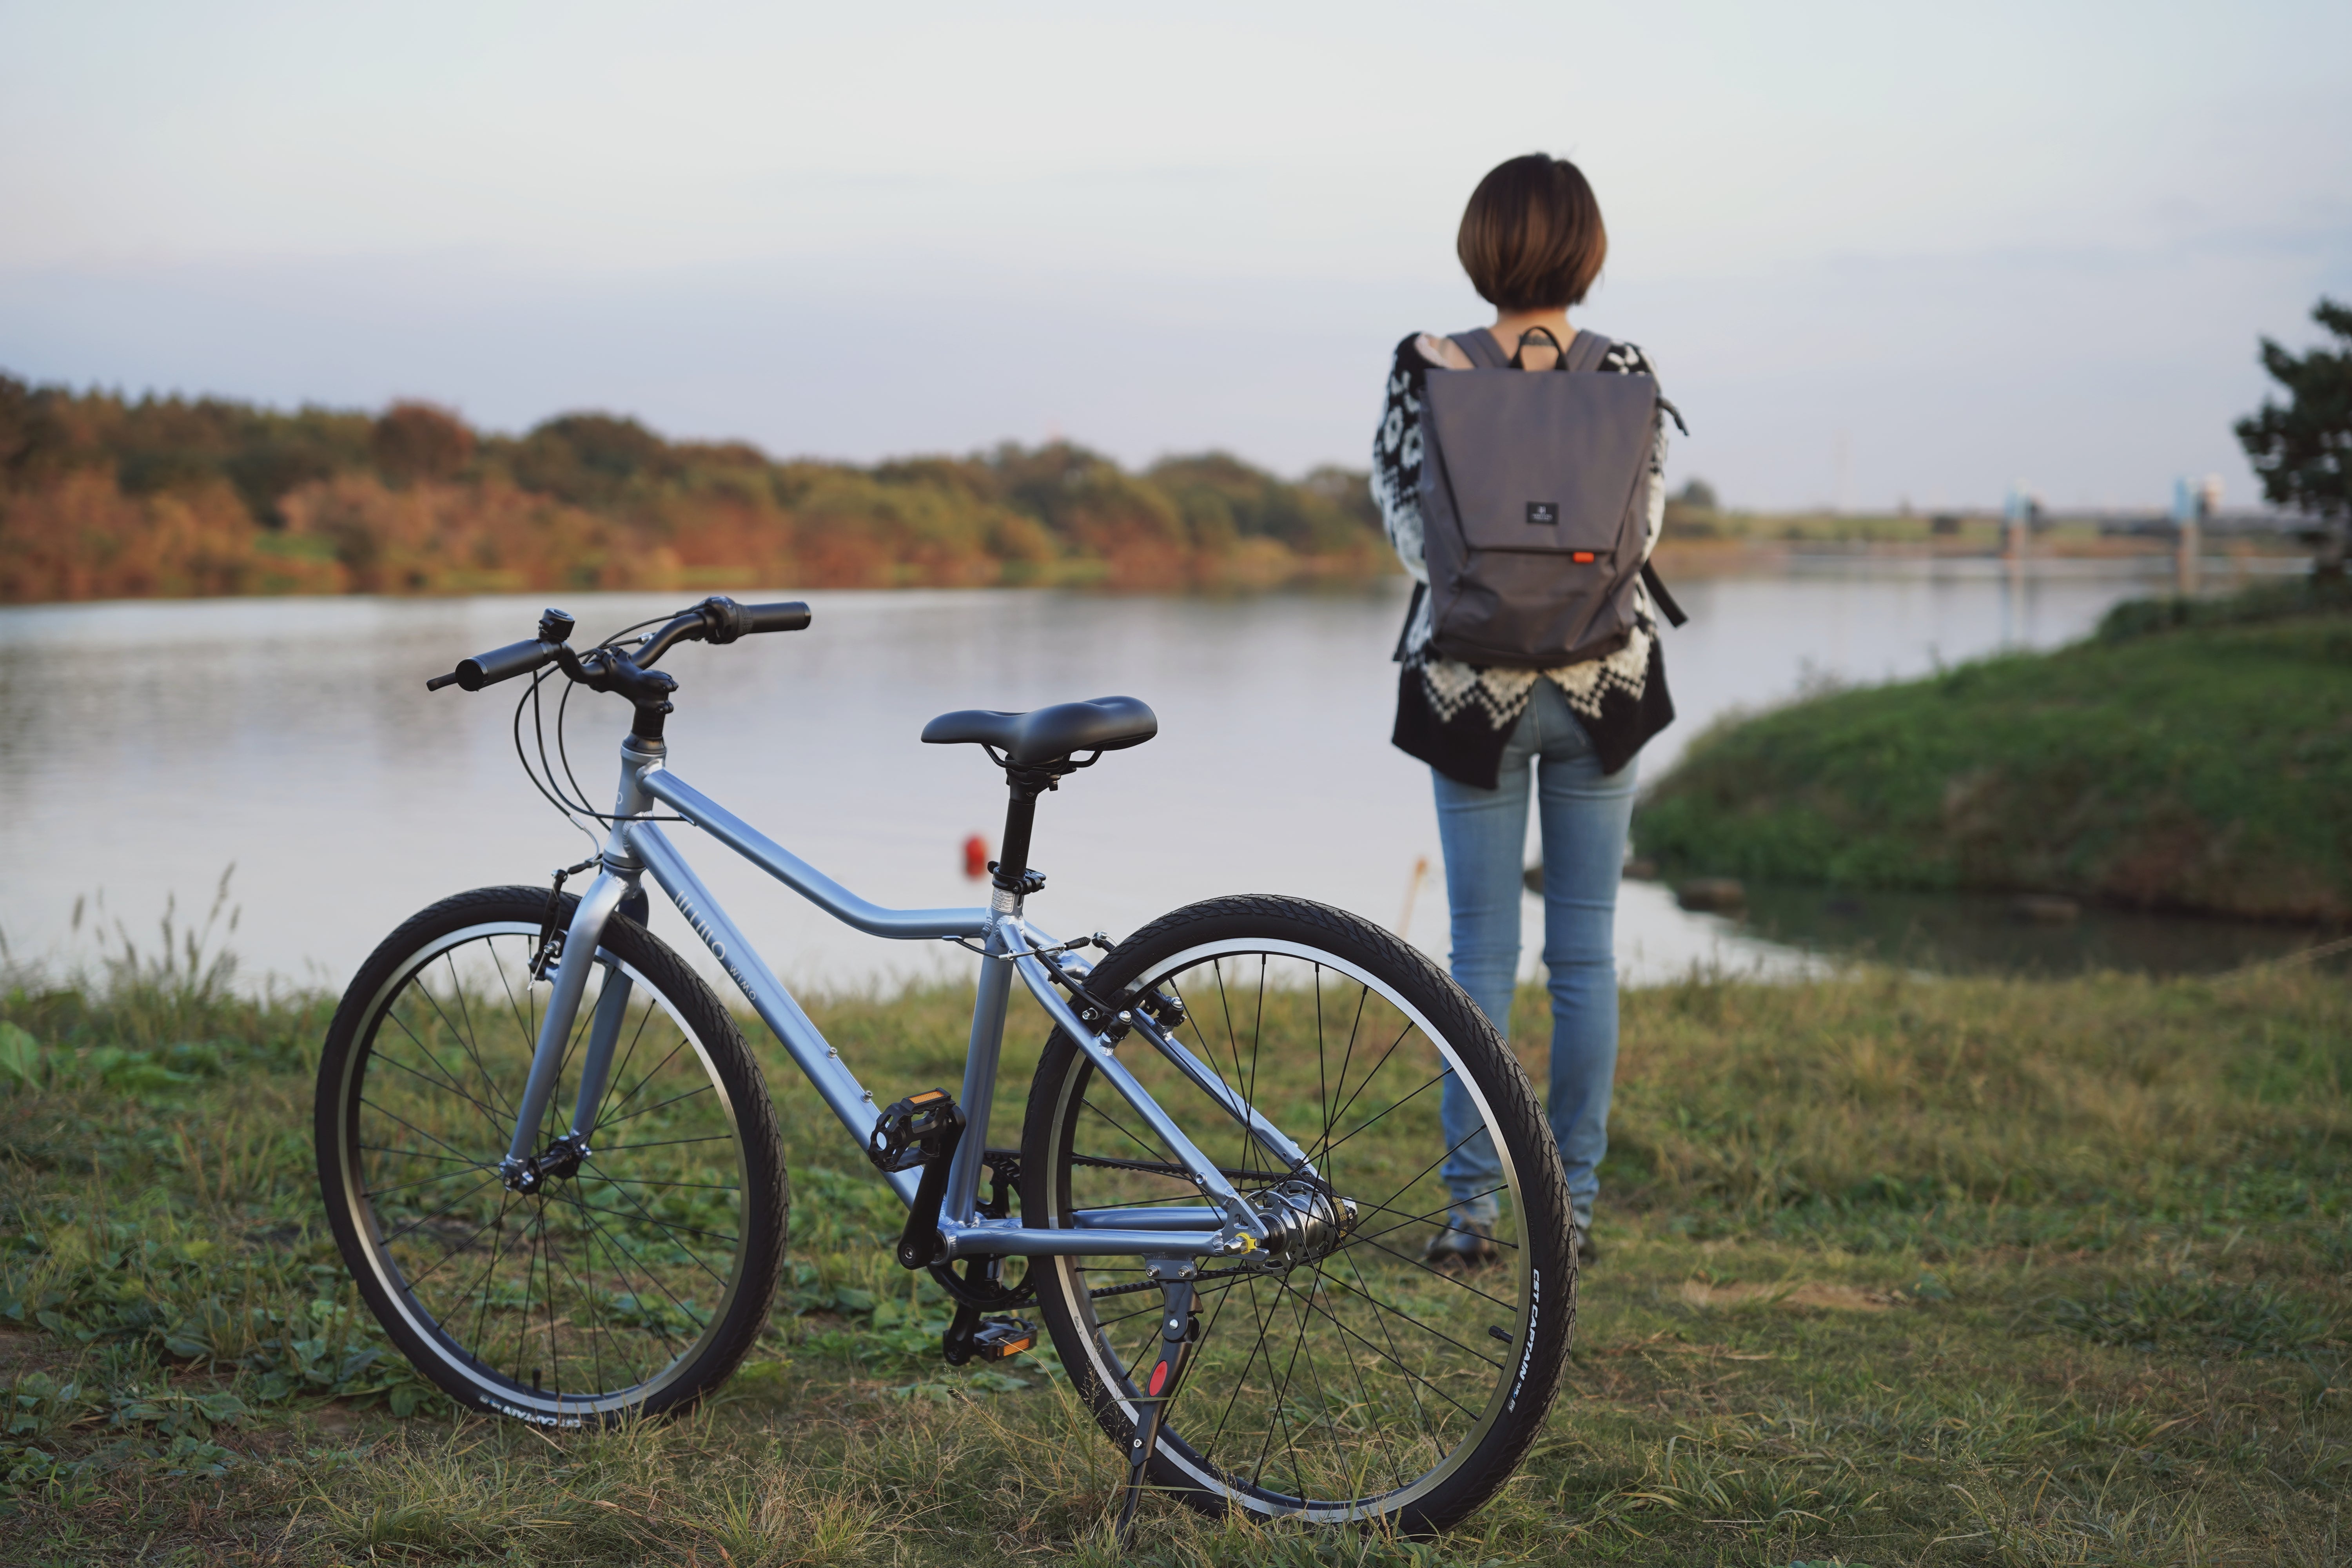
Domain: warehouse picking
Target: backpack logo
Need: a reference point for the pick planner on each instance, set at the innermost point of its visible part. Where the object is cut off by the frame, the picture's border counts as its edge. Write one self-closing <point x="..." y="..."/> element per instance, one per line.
<point x="1542" y="513"/>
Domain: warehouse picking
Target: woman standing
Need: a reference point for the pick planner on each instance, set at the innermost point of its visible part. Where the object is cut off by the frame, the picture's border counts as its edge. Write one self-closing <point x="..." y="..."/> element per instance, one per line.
<point x="1532" y="242"/>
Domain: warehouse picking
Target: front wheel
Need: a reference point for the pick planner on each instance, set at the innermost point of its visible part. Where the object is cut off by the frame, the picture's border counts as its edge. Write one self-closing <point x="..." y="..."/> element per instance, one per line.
<point x="632" y="1282"/>
<point x="1374" y="1374"/>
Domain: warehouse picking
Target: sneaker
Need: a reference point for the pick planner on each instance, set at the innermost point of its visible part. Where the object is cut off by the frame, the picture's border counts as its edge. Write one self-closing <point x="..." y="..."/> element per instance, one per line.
<point x="1587" y="1254"/>
<point x="1461" y="1249"/>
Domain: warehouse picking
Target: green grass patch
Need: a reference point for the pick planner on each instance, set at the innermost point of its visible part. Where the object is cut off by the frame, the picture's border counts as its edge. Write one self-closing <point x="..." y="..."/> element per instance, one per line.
<point x="2204" y="1316"/>
<point x="1893" y="1270"/>
<point x="2191" y="756"/>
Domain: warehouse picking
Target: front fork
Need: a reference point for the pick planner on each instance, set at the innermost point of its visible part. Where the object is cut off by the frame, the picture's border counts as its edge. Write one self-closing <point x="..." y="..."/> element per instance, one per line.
<point x="526" y="1165"/>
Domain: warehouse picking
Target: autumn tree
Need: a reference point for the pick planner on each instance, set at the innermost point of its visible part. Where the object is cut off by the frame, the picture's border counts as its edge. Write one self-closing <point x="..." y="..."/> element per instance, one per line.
<point x="418" y="441"/>
<point x="2304" y="450"/>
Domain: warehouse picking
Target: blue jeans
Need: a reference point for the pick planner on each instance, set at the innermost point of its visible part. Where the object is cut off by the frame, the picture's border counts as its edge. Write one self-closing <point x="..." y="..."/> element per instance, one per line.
<point x="1583" y="813"/>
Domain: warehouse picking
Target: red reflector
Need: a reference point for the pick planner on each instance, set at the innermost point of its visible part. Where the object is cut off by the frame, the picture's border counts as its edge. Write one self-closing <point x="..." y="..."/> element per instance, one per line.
<point x="1582" y="558"/>
<point x="1159" y="1378"/>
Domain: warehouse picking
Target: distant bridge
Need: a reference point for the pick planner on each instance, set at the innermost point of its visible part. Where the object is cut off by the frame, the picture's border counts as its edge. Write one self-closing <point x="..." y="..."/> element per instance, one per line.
<point x="2145" y="521"/>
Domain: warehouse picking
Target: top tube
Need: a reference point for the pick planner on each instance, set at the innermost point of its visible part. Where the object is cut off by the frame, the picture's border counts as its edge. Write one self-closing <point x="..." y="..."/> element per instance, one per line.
<point x="902" y="925"/>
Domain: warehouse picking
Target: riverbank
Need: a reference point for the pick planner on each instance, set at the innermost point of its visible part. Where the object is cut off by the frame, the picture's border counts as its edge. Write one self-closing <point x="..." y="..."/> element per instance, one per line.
<point x="2191" y="757"/>
<point x="2050" y="1272"/>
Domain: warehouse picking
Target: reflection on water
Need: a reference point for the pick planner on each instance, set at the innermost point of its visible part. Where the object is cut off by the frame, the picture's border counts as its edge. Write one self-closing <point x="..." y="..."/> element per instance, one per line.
<point x="143" y="747"/>
<point x="1980" y="933"/>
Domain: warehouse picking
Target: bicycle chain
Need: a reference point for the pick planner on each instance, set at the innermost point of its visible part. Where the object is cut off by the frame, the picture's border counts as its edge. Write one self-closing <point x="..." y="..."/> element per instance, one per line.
<point x="1027" y="1288"/>
<point x="1160" y="1170"/>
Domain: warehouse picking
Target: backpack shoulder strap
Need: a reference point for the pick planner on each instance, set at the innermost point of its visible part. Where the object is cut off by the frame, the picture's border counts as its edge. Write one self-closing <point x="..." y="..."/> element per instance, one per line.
<point x="1585" y="353"/>
<point x="1480" y="345"/>
<point x="1658" y="596"/>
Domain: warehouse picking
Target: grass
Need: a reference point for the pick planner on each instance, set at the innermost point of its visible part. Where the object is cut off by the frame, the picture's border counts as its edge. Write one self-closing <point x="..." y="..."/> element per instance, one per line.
<point x="1893" y="1270"/>
<point x="2187" y="757"/>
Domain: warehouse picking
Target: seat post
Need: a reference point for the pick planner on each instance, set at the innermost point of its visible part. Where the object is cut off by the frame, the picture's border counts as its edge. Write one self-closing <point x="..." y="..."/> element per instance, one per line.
<point x="1020" y="820"/>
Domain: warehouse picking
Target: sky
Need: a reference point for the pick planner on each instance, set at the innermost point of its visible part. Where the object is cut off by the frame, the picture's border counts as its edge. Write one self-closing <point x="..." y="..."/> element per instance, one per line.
<point x="1881" y="253"/>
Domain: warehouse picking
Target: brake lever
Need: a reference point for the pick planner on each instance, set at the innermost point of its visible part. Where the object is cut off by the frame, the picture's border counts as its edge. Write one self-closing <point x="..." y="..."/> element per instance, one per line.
<point x="693" y="625"/>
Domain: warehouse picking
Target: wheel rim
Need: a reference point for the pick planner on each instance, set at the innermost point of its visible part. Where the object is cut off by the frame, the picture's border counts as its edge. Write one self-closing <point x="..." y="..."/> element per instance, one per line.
<point x="1351" y="1383"/>
<point x="596" y="1293"/>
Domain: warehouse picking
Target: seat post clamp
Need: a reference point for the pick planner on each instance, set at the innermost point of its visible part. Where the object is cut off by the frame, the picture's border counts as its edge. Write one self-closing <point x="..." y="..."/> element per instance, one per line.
<point x="1021" y="887"/>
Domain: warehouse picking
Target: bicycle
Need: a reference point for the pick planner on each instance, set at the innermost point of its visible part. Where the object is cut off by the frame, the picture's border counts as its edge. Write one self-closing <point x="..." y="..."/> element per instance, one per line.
<point x="552" y="1167"/>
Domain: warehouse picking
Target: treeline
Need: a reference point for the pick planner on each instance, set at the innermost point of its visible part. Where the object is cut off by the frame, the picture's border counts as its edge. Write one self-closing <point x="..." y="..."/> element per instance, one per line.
<point x="102" y="497"/>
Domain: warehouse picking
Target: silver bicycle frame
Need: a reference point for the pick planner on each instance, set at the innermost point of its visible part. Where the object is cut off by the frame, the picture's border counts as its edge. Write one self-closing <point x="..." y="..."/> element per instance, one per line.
<point x="636" y="849"/>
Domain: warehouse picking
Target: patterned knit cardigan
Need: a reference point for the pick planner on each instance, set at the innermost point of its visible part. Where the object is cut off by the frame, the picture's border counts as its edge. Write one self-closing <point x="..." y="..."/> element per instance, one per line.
<point x="1457" y="717"/>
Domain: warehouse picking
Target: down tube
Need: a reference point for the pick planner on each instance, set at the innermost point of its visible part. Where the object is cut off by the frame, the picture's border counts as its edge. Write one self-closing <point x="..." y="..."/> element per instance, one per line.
<point x="819" y="1062"/>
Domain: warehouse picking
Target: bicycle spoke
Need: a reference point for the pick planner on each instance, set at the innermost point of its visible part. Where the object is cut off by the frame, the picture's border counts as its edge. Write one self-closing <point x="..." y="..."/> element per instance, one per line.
<point x="620" y="1074"/>
<point x="1363" y="999"/>
<point x="546" y="1294"/>
<point x="1345" y="1370"/>
<point x="648" y="1110"/>
<point x="390" y="1060"/>
<point x="490" y="1272"/>
<point x="1459" y="1145"/>
<point x="1091" y="1105"/>
<point x="1322" y="1399"/>
<point x="646" y="1214"/>
<point x="466" y="1036"/>
<point x="642" y="1182"/>
<point x="421" y="1181"/>
<point x="666" y="1228"/>
<point x="413" y="1281"/>
<point x="416" y="1129"/>
<point x="1403" y="1036"/>
<point x="416" y="1225"/>
<point x="613" y="1249"/>
<point x="653" y="1072"/>
<point x="420" y="1154"/>
<point x="1357" y="1373"/>
<point x="1420" y="1412"/>
<point x="587" y="1294"/>
<point x="1396" y="1106"/>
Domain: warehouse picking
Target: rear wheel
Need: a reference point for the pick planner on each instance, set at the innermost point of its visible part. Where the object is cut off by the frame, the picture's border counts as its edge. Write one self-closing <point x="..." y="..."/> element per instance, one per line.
<point x="1356" y="1379"/>
<point x="631" y="1283"/>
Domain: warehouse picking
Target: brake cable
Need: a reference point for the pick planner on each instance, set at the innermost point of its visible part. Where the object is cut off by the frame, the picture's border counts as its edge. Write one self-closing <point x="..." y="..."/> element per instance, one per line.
<point x="571" y="810"/>
<point x="530" y="697"/>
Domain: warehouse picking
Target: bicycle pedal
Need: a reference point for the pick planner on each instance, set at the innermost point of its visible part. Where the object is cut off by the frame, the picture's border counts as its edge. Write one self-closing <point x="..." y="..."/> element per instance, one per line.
<point x="914" y="1131"/>
<point x="1001" y="1339"/>
<point x="972" y="1337"/>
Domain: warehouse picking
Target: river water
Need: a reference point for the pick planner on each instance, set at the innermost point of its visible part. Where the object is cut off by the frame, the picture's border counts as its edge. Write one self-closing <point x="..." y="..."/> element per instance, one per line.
<point x="147" y="747"/>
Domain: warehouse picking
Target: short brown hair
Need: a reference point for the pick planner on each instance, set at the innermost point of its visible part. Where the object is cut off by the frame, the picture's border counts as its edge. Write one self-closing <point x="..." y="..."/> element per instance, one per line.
<point x="1531" y="237"/>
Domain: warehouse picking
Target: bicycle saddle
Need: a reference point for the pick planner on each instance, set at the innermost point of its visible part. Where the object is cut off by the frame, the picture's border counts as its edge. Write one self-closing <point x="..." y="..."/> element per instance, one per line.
<point x="1049" y="734"/>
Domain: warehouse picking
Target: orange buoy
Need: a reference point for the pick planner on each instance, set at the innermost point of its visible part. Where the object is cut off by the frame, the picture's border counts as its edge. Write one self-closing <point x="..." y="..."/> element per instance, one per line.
<point x="975" y="856"/>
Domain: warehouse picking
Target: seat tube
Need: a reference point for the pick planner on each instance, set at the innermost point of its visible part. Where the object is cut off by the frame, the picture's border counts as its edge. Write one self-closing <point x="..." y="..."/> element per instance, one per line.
<point x="982" y="1055"/>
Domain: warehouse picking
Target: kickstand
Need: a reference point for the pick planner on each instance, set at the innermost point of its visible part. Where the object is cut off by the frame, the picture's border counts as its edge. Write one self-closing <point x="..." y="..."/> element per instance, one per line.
<point x="1178" y="1332"/>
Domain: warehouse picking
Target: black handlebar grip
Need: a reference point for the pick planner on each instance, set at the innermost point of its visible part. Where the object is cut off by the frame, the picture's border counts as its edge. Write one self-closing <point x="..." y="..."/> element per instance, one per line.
<point x="787" y="617"/>
<point x="503" y="663"/>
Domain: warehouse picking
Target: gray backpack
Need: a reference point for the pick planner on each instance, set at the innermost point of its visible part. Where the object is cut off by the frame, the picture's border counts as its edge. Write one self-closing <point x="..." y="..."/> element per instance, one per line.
<point x="1532" y="505"/>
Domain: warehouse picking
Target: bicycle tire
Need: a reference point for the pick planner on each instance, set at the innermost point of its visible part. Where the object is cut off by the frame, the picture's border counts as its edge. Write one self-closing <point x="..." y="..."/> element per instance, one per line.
<point x="1400" y="1455"/>
<point x="430" y="1044"/>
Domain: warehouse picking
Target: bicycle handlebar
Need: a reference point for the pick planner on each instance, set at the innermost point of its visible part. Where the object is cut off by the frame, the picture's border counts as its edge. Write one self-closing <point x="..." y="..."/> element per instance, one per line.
<point x="498" y="664"/>
<point x="717" y="619"/>
<point x="790" y="616"/>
